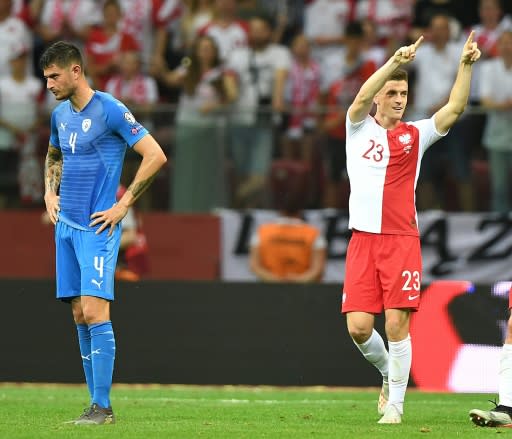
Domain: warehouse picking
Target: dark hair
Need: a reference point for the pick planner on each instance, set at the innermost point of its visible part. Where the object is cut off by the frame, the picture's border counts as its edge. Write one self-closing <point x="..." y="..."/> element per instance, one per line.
<point x="111" y="3"/>
<point x="265" y="18"/>
<point x="62" y="54"/>
<point x="193" y="76"/>
<point x="354" y="29"/>
<point x="398" y="75"/>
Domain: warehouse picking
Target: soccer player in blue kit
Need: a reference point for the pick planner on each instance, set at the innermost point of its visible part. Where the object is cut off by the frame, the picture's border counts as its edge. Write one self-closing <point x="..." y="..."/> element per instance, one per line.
<point x="90" y="131"/>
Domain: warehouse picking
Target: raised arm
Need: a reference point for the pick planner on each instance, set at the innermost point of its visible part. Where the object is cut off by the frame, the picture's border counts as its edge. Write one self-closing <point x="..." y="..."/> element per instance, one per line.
<point x="449" y="113"/>
<point x="363" y="101"/>
<point x="52" y="177"/>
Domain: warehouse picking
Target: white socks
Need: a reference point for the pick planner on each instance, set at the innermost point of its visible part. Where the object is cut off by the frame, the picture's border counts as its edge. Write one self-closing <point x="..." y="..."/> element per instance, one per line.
<point x="400" y="357"/>
<point x="375" y="352"/>
<point x="505" y="380"/>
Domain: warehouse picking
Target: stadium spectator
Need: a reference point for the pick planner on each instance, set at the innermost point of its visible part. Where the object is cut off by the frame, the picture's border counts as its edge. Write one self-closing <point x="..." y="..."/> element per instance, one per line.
<point x="324" y="25"/>
<point x="496" y="97"/>
<point x="348" y="72"/>
<point x="449" y="157"/>
<point x="132" y="261"/>
<point x="12" y="33"/>
<point x="147" y="24"/>
<point x="383" y="264"/>
<point x="302" y="94"/>
<point x="372" y="49"/>
<point x="20" y="118"/>
<point x="228" y="32"/>
<point x="66" y="19"/>
<point x="492" y="23"/>
<point x="288" y="249"/>
<point x="425" y="10"/>
<point x="261" y="70"/>
<point x="392" y="18"/>
<point x="197" y="14"/>
<point x="105" y="43"/>
<point x="133" y="87"/>
<point x="198" y="175"/>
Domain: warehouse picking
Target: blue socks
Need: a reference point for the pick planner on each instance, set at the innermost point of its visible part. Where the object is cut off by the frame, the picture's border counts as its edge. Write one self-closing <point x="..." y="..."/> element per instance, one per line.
<point x="103" y="351"/>
<point x="84" y="340"/>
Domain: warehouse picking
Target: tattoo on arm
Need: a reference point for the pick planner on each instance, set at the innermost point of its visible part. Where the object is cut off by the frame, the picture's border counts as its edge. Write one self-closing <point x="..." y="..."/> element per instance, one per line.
<point x="137" y="188"/>
<point x="53" y="169"/>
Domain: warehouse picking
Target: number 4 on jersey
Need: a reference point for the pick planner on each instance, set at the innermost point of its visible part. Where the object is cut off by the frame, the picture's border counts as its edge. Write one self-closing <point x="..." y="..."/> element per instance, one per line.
<point x="72" y="141"/>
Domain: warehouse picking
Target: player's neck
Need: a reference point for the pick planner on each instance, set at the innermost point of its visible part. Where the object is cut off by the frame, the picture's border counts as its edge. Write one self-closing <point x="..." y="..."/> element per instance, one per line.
<point x="81" y="97"/>
<point x="387" y="123"/>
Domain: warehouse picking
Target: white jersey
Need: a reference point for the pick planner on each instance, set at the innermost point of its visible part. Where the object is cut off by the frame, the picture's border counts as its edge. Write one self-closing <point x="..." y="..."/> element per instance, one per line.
<point x="383" y="167"/>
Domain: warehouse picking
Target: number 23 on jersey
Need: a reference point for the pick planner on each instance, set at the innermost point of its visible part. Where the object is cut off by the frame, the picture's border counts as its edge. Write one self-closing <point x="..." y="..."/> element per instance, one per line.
<point x="374" y="152"/>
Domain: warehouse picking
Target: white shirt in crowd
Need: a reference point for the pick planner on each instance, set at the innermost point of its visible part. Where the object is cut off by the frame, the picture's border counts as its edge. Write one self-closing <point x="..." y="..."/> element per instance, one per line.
<point x="256" y="71"/>
<point x="78" y="13"/>
<point x="13" y="33"/>
<point x="227" y="38"/>
<point x="326" y="18"/>
<point x="383" y="168"/>
<point x="391" y="17"/>
<point x="496" y="84"/>
<point x="435" y="73"/>
<point x="18" y="106"/>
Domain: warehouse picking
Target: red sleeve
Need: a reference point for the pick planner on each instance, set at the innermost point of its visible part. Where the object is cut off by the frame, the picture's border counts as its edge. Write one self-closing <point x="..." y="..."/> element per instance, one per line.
<point x="368" y="70"/>
<point x="163" y="14"/>
<point x="95" y="36"/>
<point x="128" y="43"/>
<point x="204" y="30"/>
<point x="244" y="25"/>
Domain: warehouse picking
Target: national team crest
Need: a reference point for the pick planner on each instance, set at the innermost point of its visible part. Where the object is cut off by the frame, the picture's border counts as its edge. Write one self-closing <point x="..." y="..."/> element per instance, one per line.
<point x="129" y="117"/>
<point x="86" y="124"/>
<point x="405" y="139"/>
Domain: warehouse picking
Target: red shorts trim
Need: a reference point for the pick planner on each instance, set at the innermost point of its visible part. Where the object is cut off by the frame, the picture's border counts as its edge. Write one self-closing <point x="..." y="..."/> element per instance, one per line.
<point x="510" y="298"/>
<point x="382" y="272"/>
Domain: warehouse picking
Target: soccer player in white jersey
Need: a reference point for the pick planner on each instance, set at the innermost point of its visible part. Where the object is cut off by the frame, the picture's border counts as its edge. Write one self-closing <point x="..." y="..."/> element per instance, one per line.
<point x="90" y="132"/>
<point x="383" y="267"/>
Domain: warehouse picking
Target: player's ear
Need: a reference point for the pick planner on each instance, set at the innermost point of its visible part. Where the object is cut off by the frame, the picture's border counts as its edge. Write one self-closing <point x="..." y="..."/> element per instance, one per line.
<point x="77" y="71"/>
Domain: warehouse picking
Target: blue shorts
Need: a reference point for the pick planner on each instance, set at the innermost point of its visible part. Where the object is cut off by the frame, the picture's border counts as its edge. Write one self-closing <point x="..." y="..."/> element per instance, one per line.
<point x="86" y="262"/>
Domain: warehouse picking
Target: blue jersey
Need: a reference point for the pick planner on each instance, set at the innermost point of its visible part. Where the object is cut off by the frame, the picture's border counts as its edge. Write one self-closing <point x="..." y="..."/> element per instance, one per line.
<point x="93" y="143"/>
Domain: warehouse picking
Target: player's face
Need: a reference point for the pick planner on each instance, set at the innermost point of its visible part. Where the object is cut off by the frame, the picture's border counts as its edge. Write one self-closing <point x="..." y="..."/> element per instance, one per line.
<point x="392" y="99"/>
<point x="61" y="81"/>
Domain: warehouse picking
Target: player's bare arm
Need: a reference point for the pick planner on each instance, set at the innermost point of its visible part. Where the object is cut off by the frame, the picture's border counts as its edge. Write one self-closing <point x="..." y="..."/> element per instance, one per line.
<point x="153" y="158"/>
<point x="448" y="115"/>
<point x="52" y="177"/>
<point x="363" y="101"/>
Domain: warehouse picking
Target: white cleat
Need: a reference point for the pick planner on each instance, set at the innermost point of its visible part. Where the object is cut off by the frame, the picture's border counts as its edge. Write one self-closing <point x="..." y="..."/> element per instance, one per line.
<point x="391" y="415"/>
<point x="498" y="417"/>
<point x="382" y="403"/>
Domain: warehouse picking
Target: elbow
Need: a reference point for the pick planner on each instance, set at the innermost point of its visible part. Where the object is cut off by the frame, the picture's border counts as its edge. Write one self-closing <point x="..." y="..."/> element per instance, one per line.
<point x="161" y="158"/>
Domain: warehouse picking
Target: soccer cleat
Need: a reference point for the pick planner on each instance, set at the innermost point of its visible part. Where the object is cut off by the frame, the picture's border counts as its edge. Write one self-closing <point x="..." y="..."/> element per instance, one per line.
<point x="391" y="415"/>
<point x="97" y="416"/>
<point x="499" y="416"/>
<point x="82" y="416"/>
<point x="383" y="397"/>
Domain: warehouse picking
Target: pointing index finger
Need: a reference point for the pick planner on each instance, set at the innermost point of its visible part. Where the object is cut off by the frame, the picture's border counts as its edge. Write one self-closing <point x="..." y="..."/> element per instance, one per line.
<point x="470" y="38"/>
<point x="418" y="42"/>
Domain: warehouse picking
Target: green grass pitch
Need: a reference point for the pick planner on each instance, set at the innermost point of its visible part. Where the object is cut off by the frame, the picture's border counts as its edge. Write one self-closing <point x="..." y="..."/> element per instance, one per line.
<point x="145" y="412"/>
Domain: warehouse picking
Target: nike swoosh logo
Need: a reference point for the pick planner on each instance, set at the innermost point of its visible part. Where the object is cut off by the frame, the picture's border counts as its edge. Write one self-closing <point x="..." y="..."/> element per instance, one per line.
<point x="414" y="297"/>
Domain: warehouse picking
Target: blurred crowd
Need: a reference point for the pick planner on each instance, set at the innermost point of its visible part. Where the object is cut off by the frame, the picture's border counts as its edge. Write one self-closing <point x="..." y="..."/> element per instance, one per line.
<point x="248" y="97"/>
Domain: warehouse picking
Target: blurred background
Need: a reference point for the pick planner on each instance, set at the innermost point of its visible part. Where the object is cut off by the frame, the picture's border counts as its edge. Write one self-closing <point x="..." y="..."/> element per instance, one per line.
<point x="248" y="100"/>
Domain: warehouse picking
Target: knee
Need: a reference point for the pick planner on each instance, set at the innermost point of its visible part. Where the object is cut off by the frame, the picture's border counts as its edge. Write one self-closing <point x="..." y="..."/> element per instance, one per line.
<point x="78" y="315"/>
<point x="396" y="329"/>
<point x="360" y="333"/>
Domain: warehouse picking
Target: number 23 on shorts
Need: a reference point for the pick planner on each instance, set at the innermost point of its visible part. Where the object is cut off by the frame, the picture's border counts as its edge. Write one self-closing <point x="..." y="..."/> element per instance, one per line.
<point x="412" y="283"/>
